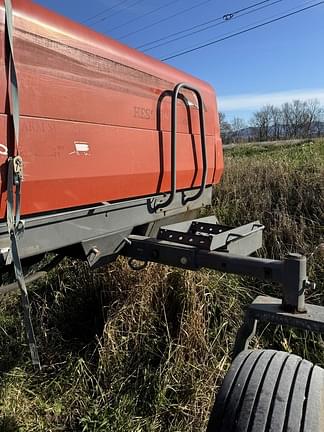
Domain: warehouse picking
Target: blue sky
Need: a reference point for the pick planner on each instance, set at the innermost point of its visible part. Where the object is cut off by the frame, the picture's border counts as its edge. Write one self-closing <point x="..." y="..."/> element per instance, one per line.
<point x="273" y="64"/>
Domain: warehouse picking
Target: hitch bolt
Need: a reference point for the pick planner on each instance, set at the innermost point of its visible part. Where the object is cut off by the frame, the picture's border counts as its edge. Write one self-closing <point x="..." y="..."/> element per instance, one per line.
<point x="309" y="285"/>
<point x="93" y="253"/>
<point x="184" y="260"/>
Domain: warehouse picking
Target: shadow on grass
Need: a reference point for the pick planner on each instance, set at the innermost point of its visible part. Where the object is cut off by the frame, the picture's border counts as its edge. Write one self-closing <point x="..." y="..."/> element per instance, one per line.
<point x="69" y="311"/>
<point x="8" y="424"/>
<point x="67" y="314"/>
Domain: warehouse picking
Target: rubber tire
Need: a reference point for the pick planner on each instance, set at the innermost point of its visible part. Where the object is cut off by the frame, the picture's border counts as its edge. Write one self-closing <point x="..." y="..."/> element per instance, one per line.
<point x="270" y="391"/>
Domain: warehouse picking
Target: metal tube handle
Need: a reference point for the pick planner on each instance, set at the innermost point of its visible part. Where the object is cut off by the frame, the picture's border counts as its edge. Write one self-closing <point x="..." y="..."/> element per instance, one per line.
<point x="175" y="96"/>
<point x="202" y="141"/>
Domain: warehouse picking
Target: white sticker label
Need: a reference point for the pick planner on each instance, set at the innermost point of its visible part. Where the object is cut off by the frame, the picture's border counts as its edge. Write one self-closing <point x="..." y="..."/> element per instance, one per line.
<point x="81" y="148"/>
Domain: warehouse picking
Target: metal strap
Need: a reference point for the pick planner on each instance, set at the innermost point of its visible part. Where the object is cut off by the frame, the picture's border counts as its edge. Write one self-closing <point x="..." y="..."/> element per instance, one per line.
<point x="14" y="179"/>
<point x="12" y="68"/>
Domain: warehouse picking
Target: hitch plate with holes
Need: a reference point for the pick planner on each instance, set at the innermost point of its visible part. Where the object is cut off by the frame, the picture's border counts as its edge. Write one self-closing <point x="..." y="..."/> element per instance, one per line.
<point x="207" y="234"/>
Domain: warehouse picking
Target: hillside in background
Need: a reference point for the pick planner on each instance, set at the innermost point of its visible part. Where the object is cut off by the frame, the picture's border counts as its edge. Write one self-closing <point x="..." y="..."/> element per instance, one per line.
<point x="299" y="119"/>
<point x="251" y="133"/>
<point x="147" y="351"/>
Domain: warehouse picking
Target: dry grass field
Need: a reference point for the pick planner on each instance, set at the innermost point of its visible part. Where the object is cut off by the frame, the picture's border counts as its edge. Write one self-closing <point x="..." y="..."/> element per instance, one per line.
<point x="147" y="351"/>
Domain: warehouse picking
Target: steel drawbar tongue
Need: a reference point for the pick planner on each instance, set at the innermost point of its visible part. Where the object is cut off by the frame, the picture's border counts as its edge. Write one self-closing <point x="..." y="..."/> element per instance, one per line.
<point x="14" y="180"/>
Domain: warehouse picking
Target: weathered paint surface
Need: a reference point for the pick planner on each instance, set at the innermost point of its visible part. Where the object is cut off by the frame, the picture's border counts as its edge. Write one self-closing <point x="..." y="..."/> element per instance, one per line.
<point x="90" y="124"/>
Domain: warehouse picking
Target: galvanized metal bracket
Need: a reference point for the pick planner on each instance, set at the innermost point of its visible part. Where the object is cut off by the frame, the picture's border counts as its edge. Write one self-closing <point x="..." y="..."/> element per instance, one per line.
<point x="206" y="233"/>
<point x="270" y="310"/>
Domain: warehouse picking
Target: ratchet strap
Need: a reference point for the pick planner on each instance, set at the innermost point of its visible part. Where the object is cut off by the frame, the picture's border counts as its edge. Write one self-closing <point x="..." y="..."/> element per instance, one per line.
<point x="14" y="179"/>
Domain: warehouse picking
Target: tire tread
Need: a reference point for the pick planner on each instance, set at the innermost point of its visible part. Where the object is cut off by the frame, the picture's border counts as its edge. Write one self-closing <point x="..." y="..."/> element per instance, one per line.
<point x="270" y="391"/>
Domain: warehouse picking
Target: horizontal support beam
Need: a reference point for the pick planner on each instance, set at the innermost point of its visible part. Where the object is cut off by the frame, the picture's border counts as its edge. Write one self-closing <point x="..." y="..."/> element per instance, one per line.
<point x="290" y="273"/>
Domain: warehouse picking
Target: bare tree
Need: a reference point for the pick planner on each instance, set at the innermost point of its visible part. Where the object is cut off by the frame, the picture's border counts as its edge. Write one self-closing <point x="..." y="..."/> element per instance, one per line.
<point x="296" y="119"/>
<point x="261" y="120"/>
<point x="286" y="120"/>
<point x="319" y="122"/>
<point x="225" y="128"/>
<point x="238" y="124"/>
<point x="313" y="118"/>
<point x="300" y="117"/>
<point x="276" y="122"/>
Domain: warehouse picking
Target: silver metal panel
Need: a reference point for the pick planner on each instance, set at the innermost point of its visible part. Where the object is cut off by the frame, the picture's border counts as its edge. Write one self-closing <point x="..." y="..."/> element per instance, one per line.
<point x="51" y="232"/>
<point x="207" y="234"/>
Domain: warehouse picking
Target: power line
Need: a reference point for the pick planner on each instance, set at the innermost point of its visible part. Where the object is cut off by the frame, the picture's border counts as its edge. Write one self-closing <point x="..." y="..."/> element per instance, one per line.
<point x="143" y="15"/>
<point x="163" y="19"/>
<point x="241" y="32"/>
<point x="233" y="15"/>
<point x="135" y="3"/>
<point x="102" y="12"/>
<point x="220" y="18"/>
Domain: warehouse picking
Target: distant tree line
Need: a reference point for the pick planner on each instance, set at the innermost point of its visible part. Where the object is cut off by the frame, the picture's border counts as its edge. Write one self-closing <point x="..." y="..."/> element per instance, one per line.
<point x="294" y="120"/>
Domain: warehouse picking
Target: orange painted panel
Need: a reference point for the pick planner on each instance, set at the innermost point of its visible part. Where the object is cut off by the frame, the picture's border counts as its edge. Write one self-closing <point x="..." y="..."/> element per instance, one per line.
<point x="3" y="80"/>
<point x="95" y="122"/>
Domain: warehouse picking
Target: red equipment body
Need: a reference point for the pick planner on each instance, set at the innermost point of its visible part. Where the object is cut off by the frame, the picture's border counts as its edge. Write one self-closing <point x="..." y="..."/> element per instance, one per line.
<point x="93" y="125"/>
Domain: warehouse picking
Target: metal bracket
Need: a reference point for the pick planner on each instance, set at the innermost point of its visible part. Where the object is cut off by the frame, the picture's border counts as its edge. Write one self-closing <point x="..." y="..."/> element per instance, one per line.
<point x="177" y="250"/>
<point x="269" y="309"/>
<point x="18" y="167"/>
<point x="206" y="233"/>
<point x="290" y="273"/>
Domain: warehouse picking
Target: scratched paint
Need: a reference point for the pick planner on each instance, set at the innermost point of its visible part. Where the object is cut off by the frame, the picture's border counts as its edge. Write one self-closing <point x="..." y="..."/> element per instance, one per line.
<point x="95" y="118"/>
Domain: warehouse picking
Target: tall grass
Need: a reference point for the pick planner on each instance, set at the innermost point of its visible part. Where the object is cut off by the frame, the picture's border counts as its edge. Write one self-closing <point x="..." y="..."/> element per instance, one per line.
<point x="146" y="351"/>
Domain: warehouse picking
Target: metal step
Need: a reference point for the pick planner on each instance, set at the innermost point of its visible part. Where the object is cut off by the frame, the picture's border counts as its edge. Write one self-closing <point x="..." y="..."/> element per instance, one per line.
<point x="208" y="234"/>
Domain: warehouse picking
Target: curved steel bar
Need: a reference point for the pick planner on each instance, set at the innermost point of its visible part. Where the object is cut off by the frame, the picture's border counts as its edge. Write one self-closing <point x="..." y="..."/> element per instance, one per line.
<point x="175" y="96"/>
<point x="203" y="146"/>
